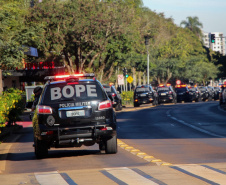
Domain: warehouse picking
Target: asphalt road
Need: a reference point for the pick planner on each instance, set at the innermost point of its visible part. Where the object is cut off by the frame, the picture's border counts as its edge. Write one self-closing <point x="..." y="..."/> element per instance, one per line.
<point x="167" y="144"/>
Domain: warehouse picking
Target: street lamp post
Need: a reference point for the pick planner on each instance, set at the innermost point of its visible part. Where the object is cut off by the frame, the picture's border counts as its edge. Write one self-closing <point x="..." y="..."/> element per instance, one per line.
<point x="147" y="46"/>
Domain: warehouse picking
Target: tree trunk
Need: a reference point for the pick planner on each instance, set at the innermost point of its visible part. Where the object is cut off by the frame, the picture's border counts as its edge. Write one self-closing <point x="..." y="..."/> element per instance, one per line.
<point x="144" y="79"/>
<point x="134" y="77"/>
<point x="1" y="87"/>
<point x="92" y="60"/>
<point x="139" y="76"/>
<point x="68" y="62"/>
<point x="83" y="61"/>
<point x="110" y="72"/>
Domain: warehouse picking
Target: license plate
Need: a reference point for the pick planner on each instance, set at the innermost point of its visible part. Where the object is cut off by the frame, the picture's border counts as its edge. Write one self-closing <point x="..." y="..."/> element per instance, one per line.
<point x="75" y="113"/>
<point x="163" y="94"/>
<point x="143" y="95"/>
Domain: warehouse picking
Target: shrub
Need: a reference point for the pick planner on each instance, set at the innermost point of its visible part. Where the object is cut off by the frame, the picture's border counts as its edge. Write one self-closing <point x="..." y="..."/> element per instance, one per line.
<point x="12" y="106"/>
<point x="127" y="97"/>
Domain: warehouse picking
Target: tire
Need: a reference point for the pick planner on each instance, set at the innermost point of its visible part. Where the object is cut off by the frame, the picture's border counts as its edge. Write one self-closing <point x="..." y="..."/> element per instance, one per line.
<point x="101" y="146"/>
<point x="156" y="102"/>
<point x="120" y="107"/>
<point x="199" y="99"/>
<point x="175" y="101"/>
<point x="136" y="105"/>
<point x="117" y="107"/>
<point x="111" y="146"/>
<point x="41" y="149"/>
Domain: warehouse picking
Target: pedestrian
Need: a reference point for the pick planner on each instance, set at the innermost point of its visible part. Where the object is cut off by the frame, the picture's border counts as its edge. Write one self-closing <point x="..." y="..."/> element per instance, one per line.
<point x="37" y="92"/>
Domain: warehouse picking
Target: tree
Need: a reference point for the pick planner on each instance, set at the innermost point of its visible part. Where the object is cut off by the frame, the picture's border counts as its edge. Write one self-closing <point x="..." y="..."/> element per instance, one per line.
<point x="80" y="30"/>
<point x="193" y="24"/>
<point x="12" y="15"/>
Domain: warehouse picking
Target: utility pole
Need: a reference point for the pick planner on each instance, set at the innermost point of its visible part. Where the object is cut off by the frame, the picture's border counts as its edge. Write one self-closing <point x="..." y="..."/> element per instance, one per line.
<point x="147" y="46"/>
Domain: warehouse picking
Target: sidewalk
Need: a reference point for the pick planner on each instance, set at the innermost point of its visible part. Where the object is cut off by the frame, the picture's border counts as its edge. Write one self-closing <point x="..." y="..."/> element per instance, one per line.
<point x="8" y="130"/>
<point x="10" y="135"/>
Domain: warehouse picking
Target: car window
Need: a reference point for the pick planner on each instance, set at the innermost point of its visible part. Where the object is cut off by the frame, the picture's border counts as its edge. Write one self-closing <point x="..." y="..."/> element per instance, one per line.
<point x="142" y="89"/>
<point x="193" y="89"/>
<point x="181" y="89"/>
<point x="73" y="92"/>
<point x="107" y="88"/>
<point x="202" y="88"/>
<point x="163" y="88"/>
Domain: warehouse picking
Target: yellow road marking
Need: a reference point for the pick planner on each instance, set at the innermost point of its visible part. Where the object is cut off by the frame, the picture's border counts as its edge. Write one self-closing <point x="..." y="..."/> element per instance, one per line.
<point x="142" y="155"/>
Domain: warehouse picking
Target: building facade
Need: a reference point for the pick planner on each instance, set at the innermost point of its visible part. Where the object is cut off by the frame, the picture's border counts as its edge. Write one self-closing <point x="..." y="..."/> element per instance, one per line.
<point x="218" y="44"/>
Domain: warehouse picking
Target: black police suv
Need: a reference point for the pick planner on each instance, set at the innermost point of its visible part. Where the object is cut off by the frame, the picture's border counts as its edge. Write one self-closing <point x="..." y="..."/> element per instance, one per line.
<point x="145" y="94"/>
<point x="195" y="93"/>
<point x="166" y="93"/>
<point x="216" y="92"/>
<point x="114" y="96"/>
<point x="211" y="92"/>
<point x="74" y="111"/>
<point x="222" y="96"/>
<point x="204" y="93"/>
<point x="183" y="93"/>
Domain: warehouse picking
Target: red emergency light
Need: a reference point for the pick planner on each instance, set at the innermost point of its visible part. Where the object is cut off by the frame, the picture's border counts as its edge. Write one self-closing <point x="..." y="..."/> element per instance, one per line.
<point x="63" y="77"/>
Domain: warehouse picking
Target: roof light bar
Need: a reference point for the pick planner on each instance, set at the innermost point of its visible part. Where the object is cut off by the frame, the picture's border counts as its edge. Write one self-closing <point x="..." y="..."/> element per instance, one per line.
<point x="62" y="77"/>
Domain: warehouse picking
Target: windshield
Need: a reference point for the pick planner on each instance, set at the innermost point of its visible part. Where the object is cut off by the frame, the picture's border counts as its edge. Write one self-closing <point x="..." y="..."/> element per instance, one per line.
<point x="192" y="89"/>
<point x="107" y="88"/>
<point x="202" y="88"/>
<point x="181" y="90"/>
<point x="142" y="89"/>
<point x="163" y="89"/>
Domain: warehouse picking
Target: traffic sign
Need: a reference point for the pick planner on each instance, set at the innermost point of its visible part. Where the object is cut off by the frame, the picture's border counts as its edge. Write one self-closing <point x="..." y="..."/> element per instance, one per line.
<point x="178" y="82"/>
<point x="120" y="80"/>
<point x="130" y="79"/>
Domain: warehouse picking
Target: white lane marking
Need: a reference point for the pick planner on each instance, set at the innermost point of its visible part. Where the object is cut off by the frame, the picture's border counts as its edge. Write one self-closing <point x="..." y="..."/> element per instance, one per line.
<point x="50" y="178"/>
<point x="194" y="127"/>
<point x="204" y="172"/>
<point x="128" y="176"/>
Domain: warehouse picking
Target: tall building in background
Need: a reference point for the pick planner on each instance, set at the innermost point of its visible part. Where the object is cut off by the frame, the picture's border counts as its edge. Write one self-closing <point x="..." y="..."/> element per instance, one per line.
<point x="215" y="41"/>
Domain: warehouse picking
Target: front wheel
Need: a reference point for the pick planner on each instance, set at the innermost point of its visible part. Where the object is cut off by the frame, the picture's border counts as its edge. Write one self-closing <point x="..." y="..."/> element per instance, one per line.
<point x="117" y="107"/>
<point x="136" y="105"/>
<point x="111" y="146"/>
<point x="41" y="149"/>
<point x="101" y="146"/>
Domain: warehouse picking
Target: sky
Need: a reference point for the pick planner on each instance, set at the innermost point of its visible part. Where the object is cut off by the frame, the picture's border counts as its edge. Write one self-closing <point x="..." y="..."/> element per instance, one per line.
<point x="211" y="13"/>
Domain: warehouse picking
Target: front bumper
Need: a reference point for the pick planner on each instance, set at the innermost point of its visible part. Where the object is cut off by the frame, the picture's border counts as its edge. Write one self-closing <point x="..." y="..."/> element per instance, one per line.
<point x="165" y="98"/>
<point x="143" y="100"/>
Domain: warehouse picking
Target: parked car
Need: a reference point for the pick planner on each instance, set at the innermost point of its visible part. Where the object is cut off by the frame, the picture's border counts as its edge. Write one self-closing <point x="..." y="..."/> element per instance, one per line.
<point x="114" y="95"/>
<point x="145" y="94"/>
<point x="166" y="93"/>
<point x="204" y="92"/>
<point x="196" y="93"/>
<point x="73" y="111"/>
<point x="216" y="93"/>
<point x="222" y="96"/>
<point x="211" y="93"/>
<point x="183" y="93"/>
